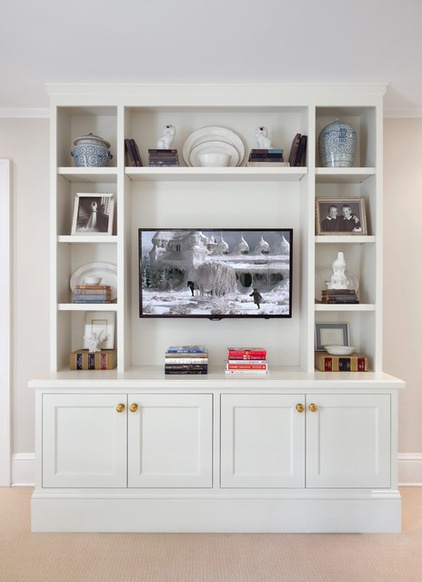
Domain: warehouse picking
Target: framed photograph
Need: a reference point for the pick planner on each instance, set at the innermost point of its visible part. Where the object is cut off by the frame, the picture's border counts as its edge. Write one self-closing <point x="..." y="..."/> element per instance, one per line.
<point x="93" y="214"/>
<point x="331" y="334"/>
<point x="99" y="329"/>
<point x="340" y="216"/>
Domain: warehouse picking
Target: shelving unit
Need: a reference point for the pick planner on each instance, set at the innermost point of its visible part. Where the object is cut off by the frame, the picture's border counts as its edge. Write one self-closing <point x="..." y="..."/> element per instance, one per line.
<point x="239" y="197"/>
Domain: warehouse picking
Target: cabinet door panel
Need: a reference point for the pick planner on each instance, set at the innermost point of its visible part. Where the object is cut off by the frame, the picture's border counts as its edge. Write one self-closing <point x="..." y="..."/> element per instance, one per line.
<point x="262" y="441"/>
<point x="84" y="440"/>
<point x="348" y="441"/>
<point x="170" y="441"/>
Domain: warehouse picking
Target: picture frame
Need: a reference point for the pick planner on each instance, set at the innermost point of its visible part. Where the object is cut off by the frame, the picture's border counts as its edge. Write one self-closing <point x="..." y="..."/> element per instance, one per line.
<point x="331" y="334"/>
<point x="99" y="324"/>
<point x="93" y="214"/>
<point x="341" y="216"/>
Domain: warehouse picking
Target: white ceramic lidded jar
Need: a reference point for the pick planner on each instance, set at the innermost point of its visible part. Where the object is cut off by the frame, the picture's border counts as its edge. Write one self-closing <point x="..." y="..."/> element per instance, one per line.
<point x="337" y="145"/>
<point x="91" y="151"/>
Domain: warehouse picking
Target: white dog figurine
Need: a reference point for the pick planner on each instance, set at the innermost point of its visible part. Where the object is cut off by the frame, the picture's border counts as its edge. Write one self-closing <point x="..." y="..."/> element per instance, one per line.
<point x="262" y="138"/>
<point x="165" y="142"/>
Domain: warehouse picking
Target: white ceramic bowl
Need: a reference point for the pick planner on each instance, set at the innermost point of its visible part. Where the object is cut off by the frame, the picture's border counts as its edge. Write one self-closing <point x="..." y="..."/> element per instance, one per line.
<point x="91" y="280"/>
<point x="340" y="350"/>
<point x="213" y="159"/>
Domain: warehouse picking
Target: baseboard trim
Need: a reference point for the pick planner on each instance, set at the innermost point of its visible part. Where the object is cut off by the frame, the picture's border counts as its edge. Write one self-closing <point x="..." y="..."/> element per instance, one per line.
<point x="23" y="470"/>
<point x="409" y="469"/>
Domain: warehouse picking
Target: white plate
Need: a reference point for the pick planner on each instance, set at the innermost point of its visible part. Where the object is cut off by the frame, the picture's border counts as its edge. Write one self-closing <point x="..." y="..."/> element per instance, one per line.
<point x="106" y="271"/>
<point x="213" y="147"/>
<point x="213" y="134"/>
<point x="323" y="275"/>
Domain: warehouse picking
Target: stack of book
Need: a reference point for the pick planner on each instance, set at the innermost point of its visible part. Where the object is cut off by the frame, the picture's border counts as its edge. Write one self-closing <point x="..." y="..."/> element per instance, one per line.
<point x="161" y="158"/>
<point x="297" y="155"/>
<point x="92" y="294"/>
<point x="246" y="361"/>
<point x="266" y="157"/>
<point x="133" y="157"/>
<point x="86" y="360"/>
<point x="334" y="296"/>
<point x="186" y="360"/>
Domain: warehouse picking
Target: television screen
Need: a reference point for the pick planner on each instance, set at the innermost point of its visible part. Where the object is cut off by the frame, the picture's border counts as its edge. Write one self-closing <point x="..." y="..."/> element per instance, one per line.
<point x="215" y="273"/>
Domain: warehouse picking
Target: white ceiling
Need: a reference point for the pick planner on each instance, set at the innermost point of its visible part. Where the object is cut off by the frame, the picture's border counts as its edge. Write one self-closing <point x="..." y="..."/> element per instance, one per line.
<point x="194" y="41"/>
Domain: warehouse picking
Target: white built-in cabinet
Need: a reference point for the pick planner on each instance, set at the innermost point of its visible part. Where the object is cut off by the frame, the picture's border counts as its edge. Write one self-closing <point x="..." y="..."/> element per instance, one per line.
<point x="297" y="450"/>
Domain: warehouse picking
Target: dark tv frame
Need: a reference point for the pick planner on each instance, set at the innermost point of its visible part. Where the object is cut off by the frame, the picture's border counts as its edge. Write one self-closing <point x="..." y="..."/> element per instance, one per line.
<point x="188" y="264"/>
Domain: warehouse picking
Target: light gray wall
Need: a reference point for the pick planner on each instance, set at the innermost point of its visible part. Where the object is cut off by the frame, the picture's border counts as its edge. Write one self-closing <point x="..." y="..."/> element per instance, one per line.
<point x="25" y="142"/>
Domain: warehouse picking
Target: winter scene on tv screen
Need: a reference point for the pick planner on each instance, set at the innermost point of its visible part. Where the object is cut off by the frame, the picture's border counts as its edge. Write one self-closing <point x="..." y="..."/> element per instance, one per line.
<point x="215" y="273"/>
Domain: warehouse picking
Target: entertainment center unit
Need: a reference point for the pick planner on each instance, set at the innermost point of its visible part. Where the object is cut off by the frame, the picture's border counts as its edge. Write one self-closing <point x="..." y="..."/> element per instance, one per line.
<point x="295" y="450"/>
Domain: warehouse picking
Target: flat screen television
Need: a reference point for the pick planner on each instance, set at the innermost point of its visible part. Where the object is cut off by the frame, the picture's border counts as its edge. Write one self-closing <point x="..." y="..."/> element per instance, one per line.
<point x="215" y="273"/>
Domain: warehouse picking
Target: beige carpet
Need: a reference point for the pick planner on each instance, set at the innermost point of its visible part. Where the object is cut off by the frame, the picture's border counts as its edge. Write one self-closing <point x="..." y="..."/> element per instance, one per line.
<point x="41" y="557"/>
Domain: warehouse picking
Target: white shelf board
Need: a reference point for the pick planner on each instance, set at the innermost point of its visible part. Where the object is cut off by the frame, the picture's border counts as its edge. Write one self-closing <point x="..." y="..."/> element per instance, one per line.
<point x="345" y="307"/>
<point x="87" y="306"/>
<point x="343" y="175"/>
<point x="88" y="174"/>
<point x="198" y="173"/>
<point x="87" y="238"/>
<point x="348" y="239"/>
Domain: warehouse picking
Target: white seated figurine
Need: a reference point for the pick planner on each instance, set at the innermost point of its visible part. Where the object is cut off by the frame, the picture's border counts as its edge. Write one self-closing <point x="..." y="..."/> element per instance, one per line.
<point x="165" y="142"/>
<point x="338" y="278"/>
<point x="262" y="138"/>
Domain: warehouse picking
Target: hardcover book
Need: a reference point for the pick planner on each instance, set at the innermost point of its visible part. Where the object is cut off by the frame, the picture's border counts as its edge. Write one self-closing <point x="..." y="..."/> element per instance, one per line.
<point x="328" y="363"/>
<point x="85" y="360"/>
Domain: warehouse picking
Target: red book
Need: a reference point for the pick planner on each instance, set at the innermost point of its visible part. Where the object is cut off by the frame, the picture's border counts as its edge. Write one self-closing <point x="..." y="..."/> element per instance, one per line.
<point x="246" y="353"/>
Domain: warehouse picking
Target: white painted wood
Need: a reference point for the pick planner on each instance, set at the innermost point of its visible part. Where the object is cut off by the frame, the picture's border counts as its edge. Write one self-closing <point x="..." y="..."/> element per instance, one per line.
<point x="262" y="441"/>
<point x="190" y="461"/>
<point x="170" y="441"/>
<point x="290" y="512"/>
<point x="348" y="441"/>
<point x="84" y="440"/>
<point x="5" y="323"/>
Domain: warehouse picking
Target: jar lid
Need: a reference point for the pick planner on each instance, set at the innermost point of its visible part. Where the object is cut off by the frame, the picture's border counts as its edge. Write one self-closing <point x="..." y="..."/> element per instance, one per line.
<point x="91" y="137"/>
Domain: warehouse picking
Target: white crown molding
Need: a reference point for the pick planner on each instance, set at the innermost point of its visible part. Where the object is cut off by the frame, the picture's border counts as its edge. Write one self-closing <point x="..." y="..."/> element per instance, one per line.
<point x="24" y="112"/>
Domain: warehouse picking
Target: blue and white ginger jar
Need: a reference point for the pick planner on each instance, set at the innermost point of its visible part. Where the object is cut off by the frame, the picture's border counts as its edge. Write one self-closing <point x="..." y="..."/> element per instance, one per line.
<point x="337" y="145"/>
<point x="91" y="151"/>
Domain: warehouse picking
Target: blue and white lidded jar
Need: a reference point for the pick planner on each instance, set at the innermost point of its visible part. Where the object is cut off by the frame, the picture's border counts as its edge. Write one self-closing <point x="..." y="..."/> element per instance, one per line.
<point x="337" y="145"/>
<point x="91" y="151"/>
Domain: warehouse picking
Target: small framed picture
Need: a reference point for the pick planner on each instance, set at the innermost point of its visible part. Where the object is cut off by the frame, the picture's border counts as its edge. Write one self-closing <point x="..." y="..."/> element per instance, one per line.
<point x="99" y="330"/>
<point x="340" y="216"/>
<point x="331" y="334"/>
<point x="93" y="214"/>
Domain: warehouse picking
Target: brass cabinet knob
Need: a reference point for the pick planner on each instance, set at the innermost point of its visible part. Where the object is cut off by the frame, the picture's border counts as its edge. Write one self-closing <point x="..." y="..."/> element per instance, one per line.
<point x="313" y="407"/>
<point x="300" y="407"/>
<point x="133" y="407"/>
<point x="120" y="407"/>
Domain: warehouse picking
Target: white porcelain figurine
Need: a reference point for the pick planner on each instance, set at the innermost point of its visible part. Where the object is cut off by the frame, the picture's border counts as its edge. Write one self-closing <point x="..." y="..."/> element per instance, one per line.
<point x="262" y="138"/>
<point x="165" y="142"/>
<point x="338" y="278"/>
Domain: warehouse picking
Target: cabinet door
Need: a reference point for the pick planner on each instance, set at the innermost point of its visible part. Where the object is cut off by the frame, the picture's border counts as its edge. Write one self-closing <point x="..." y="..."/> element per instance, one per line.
<point x="348" y="441"/>
<point x="170" y="440"/>
<point x="262" y="441"/>
<point x="84" y="440"/>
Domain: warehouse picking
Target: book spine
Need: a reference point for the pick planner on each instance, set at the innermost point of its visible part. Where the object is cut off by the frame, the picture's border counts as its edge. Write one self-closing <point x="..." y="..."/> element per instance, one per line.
<point x="342" y="363"/>
<point x="246" y="366"/>
<point x="186" y="360"/>
<point x="246" y="355"/>
<point x="245" y="372"/>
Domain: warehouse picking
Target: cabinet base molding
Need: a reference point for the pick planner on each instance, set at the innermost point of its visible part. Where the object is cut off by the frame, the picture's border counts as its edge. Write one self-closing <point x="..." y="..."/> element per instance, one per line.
<point x="363" y="512"/>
